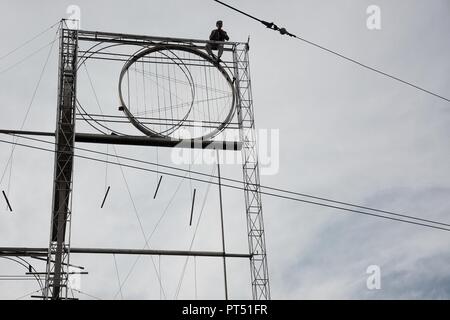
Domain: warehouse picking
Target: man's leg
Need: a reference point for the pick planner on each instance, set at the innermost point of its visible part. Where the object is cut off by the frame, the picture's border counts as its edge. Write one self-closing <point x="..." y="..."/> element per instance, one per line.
<point x="220" y="51"/>
<point x="209" y="50"/>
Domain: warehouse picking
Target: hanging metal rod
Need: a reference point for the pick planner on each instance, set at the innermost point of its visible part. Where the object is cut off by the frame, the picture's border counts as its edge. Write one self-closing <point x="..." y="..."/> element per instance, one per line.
<point x="20" y="251"/>
<point x="45" y="259"/>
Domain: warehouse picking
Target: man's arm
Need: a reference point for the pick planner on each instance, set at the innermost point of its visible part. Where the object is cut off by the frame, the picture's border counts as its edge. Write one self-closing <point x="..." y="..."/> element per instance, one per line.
<point x="212" y="35"/>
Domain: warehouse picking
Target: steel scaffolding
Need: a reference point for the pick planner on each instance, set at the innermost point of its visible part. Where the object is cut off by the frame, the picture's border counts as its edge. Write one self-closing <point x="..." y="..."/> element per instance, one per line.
<point x="253" y="204"/>
<point x="56" y="280"/>
<point x="58" y="254"/>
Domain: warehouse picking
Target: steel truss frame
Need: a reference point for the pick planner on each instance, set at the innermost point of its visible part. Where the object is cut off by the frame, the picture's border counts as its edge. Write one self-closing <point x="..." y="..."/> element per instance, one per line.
<point x="56" y="281"/>
<point x="250" y="166"/>
<point x="59" y="247"/>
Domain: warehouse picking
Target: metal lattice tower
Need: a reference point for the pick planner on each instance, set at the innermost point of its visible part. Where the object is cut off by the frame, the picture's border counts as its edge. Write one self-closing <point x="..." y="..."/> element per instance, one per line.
<point x="237" y="76"/>
<point x="59" y="247"/>
<point x="253" y="204"/>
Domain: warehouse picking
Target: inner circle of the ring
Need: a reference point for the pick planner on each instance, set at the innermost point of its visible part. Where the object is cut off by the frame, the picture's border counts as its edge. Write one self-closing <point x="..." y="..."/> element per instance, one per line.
<point x="168" y="47"/>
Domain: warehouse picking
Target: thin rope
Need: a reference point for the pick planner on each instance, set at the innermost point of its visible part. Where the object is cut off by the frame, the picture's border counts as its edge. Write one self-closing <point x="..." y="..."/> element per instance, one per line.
<point x="9" y="177"/>
<point x="234" y="181"/>
<point x="263" y="192"/>
<point x="165" y="211"/>
<point x="170" y="90"/>
<point x="118" y="277"/>
<point x="30" y="104"/>
<point x="143" y="85"/>
<point x="180" y="282"/>
<point x="195" y="277"/>
<point x="106" y="167"/>
<point x="137" y="217"/>
<point x="26" y="58"/>
<point x="30" y="40"/>
<point x="159" y="262"/>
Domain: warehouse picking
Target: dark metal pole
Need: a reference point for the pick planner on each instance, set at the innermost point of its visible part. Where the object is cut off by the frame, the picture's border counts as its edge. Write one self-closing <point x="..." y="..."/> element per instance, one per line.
<point x="157" y="142"/>
<point x="28" y="133"/>
<point x="19" y="251"/>
<point x="139" y="140"/>
<point x="192" y="208"/>
<point x="222" y="226"/>
<point x="7" y="201"/>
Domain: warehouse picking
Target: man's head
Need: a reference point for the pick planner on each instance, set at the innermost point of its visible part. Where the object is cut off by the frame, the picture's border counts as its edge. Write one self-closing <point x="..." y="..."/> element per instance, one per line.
<point x="219" y="24"/>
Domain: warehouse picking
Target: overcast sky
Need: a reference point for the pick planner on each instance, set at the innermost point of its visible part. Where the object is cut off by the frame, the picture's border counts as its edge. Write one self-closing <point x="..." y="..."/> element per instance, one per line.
<point x="345" y="133"/>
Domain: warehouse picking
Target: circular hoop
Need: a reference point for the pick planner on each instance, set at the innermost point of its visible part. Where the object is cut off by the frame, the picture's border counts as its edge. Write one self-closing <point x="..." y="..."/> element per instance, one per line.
<point x="169" y="47"/>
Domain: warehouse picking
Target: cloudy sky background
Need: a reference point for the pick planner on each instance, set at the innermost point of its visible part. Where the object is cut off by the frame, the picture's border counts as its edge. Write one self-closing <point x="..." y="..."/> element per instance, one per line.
<point x="345" y="133"/>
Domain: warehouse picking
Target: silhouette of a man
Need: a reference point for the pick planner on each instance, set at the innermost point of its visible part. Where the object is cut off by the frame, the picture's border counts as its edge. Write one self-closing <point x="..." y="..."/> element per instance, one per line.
<point x="217" y="35"/>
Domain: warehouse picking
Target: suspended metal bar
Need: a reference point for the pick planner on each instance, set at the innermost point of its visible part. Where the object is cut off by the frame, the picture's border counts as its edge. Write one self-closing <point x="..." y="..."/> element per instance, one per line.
<point x="42" y="273"/>
<point x="157" y="142"/>
<point x="106" y="195"/>
<point x="19" y="251"/>
<point x="222" y="226"/>
<point x="70" y="265"/>
<point x="140" y="140"/>
<point x="28" y="133"/>
<point x="157" y="187"/>
<point x="7" y="201"/>
<point x="192" y="207"/>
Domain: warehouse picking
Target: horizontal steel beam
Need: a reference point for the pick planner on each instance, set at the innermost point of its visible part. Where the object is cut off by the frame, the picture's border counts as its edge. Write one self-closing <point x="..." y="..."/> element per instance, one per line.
<point x="139" y="140"/>
<point x="86" y="35"/>
<point x="45" y="259"/>
<point x="28" y="133"/>
<point x="19" y="251"/>
<point x="157" y="142"/>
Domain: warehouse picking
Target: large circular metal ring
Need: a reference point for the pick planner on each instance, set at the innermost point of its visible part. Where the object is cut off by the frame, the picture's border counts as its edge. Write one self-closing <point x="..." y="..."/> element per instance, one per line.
<point x="169" y="47"/>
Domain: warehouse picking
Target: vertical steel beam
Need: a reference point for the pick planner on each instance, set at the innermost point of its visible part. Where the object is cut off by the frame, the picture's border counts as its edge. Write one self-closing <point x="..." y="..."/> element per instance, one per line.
<point x="222" y="226"/>
<point x="253" y="204"/>
<point x="59" y="247"/>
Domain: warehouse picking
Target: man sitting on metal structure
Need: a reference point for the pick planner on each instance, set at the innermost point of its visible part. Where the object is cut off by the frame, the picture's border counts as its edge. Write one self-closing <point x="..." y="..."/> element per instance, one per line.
<point x="217" y="35"/>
